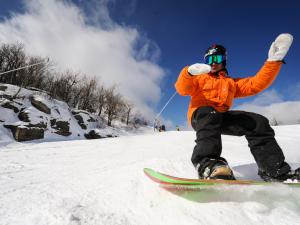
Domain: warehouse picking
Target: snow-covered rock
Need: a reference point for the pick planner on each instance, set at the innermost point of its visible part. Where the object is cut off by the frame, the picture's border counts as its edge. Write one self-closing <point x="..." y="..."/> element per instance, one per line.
<point x="37" y="102"/>
<point x="33" y="114"/>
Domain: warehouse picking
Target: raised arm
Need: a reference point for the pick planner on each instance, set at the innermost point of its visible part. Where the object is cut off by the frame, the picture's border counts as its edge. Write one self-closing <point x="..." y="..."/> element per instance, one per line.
<point x="267" y="74"/>
<point x="255" y="84"/>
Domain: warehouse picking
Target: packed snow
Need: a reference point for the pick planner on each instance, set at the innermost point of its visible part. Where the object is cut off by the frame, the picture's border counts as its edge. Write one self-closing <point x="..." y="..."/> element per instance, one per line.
<point x="102" y="182"/>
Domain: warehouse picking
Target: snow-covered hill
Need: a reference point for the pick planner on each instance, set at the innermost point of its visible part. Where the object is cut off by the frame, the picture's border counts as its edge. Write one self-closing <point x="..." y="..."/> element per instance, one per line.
<point x="33" y="115"/>
<point x="102" y="182"/>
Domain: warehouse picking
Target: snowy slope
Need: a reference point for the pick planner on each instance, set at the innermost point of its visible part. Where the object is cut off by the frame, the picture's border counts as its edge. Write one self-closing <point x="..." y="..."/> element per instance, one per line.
<point x="102" y="182"/>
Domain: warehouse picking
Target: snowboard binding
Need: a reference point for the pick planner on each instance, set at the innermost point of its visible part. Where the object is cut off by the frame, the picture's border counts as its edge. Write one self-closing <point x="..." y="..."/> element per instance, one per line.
<point x="214" y="168"/>
<point x="291" y="175"/>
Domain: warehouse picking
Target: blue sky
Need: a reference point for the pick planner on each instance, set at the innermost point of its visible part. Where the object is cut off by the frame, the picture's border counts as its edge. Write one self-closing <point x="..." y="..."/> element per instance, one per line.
<point x="182" y="31"/>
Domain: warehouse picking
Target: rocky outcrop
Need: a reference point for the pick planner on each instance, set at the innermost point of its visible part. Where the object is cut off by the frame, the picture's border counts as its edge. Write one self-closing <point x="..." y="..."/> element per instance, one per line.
<point x="93" y="135"/>
<point x="83" y="118"/>
<point x="61" y="127"/>
<point x="40" y="105"/>
<point x="23" y="116"/>
<point x="32" y="116"/>
<point x="38" y="125"/>
<point x="10" y="105"/>
<point x="22" y="133"/>
<point x="3" y="88"/>
<point x="91" y="120"/>
<point x="80" y="121"/>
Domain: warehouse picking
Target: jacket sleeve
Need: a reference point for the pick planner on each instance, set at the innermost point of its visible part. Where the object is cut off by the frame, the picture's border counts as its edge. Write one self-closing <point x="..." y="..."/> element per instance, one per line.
<point x="255" y="84"/>
<point x="185" y="84"/>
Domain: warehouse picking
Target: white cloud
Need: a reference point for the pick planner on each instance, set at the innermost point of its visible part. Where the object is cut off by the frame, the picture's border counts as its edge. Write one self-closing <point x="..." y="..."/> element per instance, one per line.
<point x="62" y="31"/>
<point x="267" y="97"/>
<point x="271" y="105"/>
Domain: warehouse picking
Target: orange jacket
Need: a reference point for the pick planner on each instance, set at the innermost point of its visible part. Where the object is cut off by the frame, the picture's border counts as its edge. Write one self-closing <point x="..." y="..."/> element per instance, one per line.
<point x="219" y="91"/>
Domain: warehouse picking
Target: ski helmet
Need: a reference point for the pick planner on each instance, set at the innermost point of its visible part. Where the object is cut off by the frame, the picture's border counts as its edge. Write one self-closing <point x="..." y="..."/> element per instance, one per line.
<point x="216" y="50"/>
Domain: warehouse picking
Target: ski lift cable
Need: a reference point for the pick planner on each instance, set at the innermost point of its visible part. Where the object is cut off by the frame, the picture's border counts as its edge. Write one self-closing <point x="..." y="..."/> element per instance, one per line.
<point x="20" y="68"/>
<point x="170" y="99"/>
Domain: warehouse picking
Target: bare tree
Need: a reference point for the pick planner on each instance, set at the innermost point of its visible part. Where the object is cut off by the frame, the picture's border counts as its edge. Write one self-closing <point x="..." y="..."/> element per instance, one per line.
<point x="128" y="107"/>
<point x="77" y="90"/>
<point x="88" y="95"/>
<point x="35" y="76"/>
<point x="139" y="119"/>
<point x="100" y="95"/>
<point x="62" y="86"/>
<point x="273" y="122"/>
<point x="12" y="57"/>
<point x="113" y="104"/>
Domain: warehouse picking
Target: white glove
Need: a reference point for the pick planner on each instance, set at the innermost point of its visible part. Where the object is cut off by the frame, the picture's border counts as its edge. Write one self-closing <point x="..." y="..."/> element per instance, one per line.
<point x="199" y="68"/>
<point x="280" y="47"/>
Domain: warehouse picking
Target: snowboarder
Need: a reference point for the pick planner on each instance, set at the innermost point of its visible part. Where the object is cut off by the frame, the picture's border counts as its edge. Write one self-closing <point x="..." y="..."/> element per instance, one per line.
<point x="212" y="92"/>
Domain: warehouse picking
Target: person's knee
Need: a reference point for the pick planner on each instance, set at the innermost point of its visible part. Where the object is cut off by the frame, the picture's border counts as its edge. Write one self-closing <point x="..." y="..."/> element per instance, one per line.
<point x="262" y="119"/>
<point x="259" y="124"/>
<point x="263" y="124"/>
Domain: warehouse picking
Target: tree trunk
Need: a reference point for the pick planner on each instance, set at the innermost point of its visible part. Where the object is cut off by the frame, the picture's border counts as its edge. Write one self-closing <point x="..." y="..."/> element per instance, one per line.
<point x="127" y="119"/>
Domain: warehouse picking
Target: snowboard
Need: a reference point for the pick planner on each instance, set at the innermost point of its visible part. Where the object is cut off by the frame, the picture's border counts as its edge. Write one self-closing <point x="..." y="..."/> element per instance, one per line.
<point x="171" y="182"/>
<point x="207" y="191"/>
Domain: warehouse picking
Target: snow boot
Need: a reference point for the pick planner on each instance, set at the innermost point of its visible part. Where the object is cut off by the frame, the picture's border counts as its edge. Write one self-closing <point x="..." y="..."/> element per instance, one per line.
<point x="214" y="168"/>
<point x="288" y="175"/>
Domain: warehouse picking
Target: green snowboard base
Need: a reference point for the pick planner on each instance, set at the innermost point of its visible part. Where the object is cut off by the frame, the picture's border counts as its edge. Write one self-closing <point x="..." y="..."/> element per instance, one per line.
<point x="185" y="183"/>
<point x="205" y="191"/>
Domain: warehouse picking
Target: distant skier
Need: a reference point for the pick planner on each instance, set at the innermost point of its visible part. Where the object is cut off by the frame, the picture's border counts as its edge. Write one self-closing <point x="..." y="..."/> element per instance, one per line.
<point x="177" y="128"/>
<point x="156" y="125"/>
<point x="212" y="92"/>
<point x="162" y="128"/>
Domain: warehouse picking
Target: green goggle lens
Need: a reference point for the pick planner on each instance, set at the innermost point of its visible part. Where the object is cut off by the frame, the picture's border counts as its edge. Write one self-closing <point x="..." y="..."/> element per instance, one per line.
<point x="214" y="59"/>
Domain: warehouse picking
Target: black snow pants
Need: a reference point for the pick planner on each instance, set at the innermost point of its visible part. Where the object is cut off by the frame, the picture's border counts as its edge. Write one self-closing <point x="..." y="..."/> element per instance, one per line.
<point x="209" y="124"/>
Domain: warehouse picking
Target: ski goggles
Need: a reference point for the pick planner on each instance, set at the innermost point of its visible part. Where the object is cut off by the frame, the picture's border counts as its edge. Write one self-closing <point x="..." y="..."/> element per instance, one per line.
<point x="210" y="59"/>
